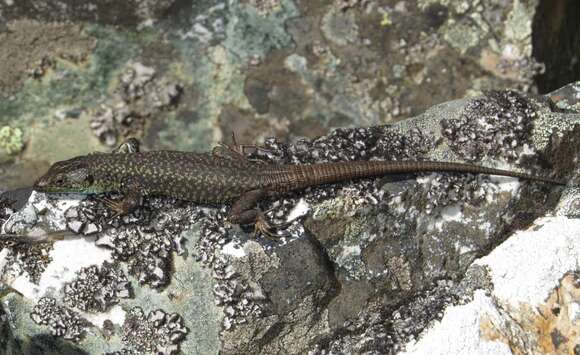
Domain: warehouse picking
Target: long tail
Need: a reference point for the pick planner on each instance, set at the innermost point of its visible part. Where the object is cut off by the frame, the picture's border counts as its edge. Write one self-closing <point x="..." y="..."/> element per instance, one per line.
<point x="300" y="176"/>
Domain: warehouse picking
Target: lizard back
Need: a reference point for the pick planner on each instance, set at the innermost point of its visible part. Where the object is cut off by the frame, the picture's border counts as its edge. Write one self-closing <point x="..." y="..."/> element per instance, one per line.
<point x="199" y="177"/>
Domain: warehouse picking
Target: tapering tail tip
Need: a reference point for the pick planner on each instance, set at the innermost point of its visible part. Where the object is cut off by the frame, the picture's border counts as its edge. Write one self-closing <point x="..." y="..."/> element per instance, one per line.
<point x="557" y="181"/>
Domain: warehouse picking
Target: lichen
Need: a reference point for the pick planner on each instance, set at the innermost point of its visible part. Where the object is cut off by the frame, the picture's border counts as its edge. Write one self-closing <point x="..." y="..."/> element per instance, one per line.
<point x="30" y="258"/>
<point x="97" y="289"/>
<point x="252" y="35"/>
<point x="238" y="300"/>
<point x="141" y="93"/>
<point x="61" y="320"/>
<point x="157" y="332"/>
<point x="498" y="124"/>
<point x="386" y="20"/>
<point x="462" y="37"/>
<point x="266" y="7"/>
<point x="11" y="140"/>
<point x="340" y="27"/>
<point x="146" y="240"/>
<point x="31" y="48"/>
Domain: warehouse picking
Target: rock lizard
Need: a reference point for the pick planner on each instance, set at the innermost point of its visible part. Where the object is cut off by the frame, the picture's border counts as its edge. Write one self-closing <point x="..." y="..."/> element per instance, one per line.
<point x="221" y="176"/>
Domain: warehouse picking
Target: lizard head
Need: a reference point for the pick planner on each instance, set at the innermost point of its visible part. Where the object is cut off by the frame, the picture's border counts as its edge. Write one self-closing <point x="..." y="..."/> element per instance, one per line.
<point x="71" y="175"/>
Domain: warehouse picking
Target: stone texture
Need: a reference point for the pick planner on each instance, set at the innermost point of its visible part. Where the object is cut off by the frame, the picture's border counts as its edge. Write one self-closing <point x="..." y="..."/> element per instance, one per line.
<point x="365" y="266"/>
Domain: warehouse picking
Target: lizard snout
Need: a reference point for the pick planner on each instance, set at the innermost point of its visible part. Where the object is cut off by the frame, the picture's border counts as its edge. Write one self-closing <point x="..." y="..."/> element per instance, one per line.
<point x="41" y="184"/>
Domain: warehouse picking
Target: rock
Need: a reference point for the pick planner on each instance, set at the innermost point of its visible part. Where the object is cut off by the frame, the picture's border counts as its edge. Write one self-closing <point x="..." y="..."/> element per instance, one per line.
<point x="532" y="305"/>
<point x="132" y="13"/>
<point x="375" y="266"/>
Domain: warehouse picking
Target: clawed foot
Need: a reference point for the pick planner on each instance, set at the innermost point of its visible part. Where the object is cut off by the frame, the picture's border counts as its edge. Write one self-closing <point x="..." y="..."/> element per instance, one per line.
<point x="130" y="146"/>
<point x="244" y="212"/>
<point x="270" y="231"/>
<point x="116" y="206"/>
<point x="232" y="150"/>
<point x="235" y="150"/>
<point x="128" y="203"/>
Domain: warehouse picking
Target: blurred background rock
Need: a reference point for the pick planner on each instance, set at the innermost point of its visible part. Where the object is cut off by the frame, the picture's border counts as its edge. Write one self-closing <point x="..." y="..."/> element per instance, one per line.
<point x="76" y="77"/>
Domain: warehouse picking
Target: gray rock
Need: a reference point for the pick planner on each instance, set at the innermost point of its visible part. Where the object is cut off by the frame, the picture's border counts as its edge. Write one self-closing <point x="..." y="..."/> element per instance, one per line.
<point x="366" y="270"/>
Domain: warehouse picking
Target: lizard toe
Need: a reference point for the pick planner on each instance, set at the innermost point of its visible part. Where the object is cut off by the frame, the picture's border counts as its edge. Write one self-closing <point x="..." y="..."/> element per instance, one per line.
<point x="269" y="230"/>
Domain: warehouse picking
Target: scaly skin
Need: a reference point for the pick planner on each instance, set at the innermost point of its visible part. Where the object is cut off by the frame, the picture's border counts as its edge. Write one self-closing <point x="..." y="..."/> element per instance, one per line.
<point x="202" y="178"/>
<point x="213" y="178"/>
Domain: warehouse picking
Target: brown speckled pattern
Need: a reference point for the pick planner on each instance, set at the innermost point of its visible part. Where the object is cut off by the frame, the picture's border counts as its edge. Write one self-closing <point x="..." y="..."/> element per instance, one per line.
<point x="202" y="178"/>
<point x="207" y="178"/>
<point x="282" y="178"/>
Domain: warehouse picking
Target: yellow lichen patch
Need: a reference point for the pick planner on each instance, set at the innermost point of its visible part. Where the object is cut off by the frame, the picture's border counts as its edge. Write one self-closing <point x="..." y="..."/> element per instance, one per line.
<point x="551" y="328"/>
<point x="557" y="332"/>
<point x="493" y="332"/>
<point x="11" y="140"/>
<point x="386" y="20"/>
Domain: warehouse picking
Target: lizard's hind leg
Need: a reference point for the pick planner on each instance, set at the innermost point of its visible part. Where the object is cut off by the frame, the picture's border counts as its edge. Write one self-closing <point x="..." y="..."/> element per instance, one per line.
<point x="231" y="150"/>
<point x="243" y="209"/>
<point x="235" y="150"/>
<point x="131" y="145"/>
<point x="266" y="228"/>
<point x="243" y="212"/>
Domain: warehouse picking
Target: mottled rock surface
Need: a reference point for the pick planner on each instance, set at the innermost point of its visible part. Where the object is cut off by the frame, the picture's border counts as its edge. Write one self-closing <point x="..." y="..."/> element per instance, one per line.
<point x="79" y="77"/>
<point x="364" y="267"/>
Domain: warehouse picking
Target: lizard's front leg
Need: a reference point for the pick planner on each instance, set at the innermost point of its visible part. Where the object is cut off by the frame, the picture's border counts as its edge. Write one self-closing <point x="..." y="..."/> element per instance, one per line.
<point x="132" y="196"/>
<point x="123" y="206"/>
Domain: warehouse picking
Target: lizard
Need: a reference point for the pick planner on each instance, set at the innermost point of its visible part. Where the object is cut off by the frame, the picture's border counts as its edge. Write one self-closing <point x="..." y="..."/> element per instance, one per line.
<point x="221" y="176"/>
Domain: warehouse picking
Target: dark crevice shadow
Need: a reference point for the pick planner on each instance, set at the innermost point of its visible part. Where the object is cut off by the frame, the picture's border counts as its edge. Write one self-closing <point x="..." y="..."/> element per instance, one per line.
<point x="556" y="43"/>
